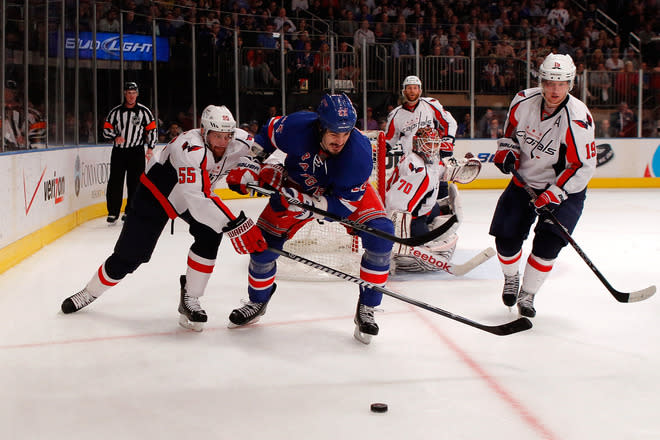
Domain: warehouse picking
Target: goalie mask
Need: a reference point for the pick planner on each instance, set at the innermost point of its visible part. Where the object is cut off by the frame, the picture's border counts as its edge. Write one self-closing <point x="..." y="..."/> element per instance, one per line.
<point x="426" y="143"/>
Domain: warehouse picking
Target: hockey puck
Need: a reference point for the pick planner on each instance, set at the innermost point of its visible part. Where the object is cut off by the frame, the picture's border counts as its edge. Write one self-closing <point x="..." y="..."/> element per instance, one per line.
<point x="379" y="407"/>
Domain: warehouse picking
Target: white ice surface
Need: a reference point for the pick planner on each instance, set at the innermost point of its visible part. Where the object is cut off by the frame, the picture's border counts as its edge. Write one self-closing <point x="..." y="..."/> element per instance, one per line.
<point x="123" y="369"/>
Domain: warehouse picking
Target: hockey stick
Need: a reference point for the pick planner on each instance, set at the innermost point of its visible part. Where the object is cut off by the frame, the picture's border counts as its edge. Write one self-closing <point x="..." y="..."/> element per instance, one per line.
<point x="461" y="269"/>
<point x="410" y="241"/>
<point x="624" y="297"/>
<point x="508" y="328"/>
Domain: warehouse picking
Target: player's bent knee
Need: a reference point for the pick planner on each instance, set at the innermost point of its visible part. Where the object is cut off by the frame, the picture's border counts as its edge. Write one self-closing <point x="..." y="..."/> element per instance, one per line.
<point x="377" y="244"/>
<point x="547" y="245"/>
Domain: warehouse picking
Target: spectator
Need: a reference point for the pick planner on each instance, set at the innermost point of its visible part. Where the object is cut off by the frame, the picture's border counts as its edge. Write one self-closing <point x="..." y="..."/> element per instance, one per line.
<point x="604" y="129"/>
<point x="484" y="122"/>
<point x="372" y="124"/>
<point x="173" y="131"/>
<point x="402" y="46"/>
<point x="463" y="129"/>
<point x="613" y="62"/>
<point x="578" y="88"/>
<point x="348" y="26"/>
<point x="109" y="23"/>
<point x="623" y="121"/>
<point x="266" y="39"/>
<point x="299" y="5"/>
<point x="626" y="83"/>
<point x="559" y="16"/>
<point x="281" y="19"/>
<point x="363" y="33"/>
<point x="492" y="75"/>
<point x="494" y="129"/>
<point x="601" y="83"/>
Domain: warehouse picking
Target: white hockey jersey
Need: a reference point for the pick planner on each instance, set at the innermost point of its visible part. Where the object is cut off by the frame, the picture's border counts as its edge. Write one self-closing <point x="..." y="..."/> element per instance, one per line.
<point x="183" y="174"/>
<point x="559" y="149"/>
<point x="413" y="186"/>
<point x="403" y="122"/>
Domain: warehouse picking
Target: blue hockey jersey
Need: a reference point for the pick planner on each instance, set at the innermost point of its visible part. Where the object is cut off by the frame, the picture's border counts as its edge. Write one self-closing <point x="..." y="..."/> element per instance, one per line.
<point x="342" y="178"/>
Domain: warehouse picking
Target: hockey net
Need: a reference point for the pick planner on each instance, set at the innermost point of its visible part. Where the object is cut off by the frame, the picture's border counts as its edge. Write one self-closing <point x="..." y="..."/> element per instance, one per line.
<point x="329" y="243"/>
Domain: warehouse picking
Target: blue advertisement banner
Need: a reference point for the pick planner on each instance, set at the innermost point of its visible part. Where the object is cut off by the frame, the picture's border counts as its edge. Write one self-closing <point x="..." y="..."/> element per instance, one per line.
<point x="136" y="47"/>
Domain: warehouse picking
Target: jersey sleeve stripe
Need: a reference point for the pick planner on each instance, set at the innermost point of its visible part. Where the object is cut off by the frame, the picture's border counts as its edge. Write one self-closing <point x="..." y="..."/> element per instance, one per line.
<point x="206" y="189"/>
<point x="153" y="189"/>
<point x="271" y="130"/>
<point x="150" y="126"/>
<point x="511" y="122"/>
<point x="572" y="157"/>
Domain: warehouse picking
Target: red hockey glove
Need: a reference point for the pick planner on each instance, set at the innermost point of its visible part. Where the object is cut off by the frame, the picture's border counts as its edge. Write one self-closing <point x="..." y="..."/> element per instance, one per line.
<point x="244" y="173"/>
<point x="507" y="157"/>
<point x="550" y="198"/>
<point x="245" y="235"/>
<point x="272" y="176"/>
<point x="447" y="145"/>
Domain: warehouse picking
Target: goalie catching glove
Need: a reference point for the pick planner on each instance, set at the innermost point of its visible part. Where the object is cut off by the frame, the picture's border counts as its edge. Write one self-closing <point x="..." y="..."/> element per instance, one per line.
<point x="461" y="170"/>
<point x="245" y="235"/>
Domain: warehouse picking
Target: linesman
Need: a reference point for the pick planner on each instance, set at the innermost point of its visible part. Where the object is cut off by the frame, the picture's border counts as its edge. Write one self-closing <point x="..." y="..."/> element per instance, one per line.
<point x="130" y="126"/>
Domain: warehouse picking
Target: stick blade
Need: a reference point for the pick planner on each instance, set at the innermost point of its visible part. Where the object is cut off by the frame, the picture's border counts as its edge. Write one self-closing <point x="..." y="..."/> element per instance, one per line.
<point x="480" y="258"/>
<point x="519" y="325"/>
<point x="639" y="295"/>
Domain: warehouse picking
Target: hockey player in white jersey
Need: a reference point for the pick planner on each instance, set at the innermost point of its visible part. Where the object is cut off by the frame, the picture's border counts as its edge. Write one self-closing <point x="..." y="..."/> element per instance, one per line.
<point x="178" y="182"/>
<point x="549" y="139"/>
<point x="411" y="202"/>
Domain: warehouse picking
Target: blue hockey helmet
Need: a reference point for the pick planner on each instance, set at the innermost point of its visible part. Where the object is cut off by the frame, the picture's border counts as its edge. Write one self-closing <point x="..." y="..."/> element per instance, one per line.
<point x="336" y="113"/>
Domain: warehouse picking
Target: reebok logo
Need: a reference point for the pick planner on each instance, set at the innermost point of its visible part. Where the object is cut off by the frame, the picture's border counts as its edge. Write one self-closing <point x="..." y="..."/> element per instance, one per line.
<point x="429" y="258"/>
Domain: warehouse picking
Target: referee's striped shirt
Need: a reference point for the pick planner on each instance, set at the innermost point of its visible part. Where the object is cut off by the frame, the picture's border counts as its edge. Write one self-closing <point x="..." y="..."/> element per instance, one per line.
<point x="136" y="125"/>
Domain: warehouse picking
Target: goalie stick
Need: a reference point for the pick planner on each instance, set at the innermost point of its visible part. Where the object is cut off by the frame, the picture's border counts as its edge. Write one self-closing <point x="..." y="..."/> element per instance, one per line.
<point x="410" y="241"/>
<point x="624" y="297"/>
<point x="461" y="269"/>
<point x="508" y="328"/>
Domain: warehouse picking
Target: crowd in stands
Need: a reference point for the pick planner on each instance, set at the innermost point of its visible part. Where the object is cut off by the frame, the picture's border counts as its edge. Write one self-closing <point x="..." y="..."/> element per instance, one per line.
<point x="499" y="29"/>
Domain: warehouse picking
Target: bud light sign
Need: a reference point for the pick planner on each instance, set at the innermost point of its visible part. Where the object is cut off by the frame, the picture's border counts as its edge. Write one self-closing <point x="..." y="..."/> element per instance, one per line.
<point x="136" y="47"/>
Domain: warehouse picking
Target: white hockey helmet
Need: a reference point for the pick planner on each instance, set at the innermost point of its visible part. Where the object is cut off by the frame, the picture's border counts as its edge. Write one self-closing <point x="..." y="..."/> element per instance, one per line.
<point x="426" y="143"/>
<point x="217" y="118"/>
<point x="412" y="80"/>
<point x="558" y="67"/>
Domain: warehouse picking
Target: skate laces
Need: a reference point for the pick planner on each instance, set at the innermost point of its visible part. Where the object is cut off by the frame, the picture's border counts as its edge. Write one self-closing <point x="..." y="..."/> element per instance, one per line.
<point x="366" y="313"/>
<point x="82" y="299"/>
<point x="249" y="308"/>
<point x="511" y="283"/>
<point x="526" y="299"/>
<point x="192" y="303"/>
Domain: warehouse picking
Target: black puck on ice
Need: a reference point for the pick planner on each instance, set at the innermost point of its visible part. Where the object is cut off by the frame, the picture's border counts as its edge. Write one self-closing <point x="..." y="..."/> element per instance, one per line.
<point x="379" y="407"/>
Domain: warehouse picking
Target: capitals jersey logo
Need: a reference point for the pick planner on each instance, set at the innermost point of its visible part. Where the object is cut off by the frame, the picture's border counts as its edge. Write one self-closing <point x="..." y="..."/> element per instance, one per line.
<point x="585" y="124"/>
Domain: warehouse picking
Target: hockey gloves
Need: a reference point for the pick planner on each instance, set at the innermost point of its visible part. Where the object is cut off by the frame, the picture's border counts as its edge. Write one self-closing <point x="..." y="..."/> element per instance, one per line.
<point x="550" y="198"/>
<point x="446" y="146"/>
<point x="271" y="176"/>
<point x="290" y="200"/>
<point x="507" y="157"/>
<point x="245" y="235"/>
<point x="244" y="173"/>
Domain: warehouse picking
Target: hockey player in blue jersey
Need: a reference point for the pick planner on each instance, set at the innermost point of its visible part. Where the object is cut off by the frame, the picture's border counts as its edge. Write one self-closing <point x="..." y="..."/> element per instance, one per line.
<point x="327" y="164"/>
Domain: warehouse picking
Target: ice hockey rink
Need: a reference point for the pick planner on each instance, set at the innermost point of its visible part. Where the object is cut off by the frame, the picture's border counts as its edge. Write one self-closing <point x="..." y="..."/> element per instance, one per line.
<point x="123" y="369"/>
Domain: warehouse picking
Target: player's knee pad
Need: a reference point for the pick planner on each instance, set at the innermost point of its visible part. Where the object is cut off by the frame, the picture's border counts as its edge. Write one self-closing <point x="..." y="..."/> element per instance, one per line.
<point x="261" y="267"/>
<point x="377" y="244"/>
<point x="508" y="246"/>
<point x="206" y="243"/>
<point x="547" y="244"/>
<point x="118" y="267"/>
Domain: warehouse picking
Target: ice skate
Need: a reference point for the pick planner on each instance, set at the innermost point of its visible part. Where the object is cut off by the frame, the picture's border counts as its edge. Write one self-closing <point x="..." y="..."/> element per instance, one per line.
<point x="510" y="291"/>
<point x="249" y="313"/>
<point x="191" y="314"/>
<point x="526" y="304"/>
<point x="365" y="325"/>
<point x="77" y="301"/>
<point x="112" y="219"/>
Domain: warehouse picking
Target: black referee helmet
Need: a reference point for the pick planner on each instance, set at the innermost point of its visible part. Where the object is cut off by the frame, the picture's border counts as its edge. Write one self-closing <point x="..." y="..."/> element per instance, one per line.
<point x="130" y="85"/>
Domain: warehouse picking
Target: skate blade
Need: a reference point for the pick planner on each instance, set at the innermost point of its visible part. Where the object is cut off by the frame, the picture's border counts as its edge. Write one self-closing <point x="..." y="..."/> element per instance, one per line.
<point x="232" y="325"/>
<point x="190" y="325"/>
<point x="362" y="337"/>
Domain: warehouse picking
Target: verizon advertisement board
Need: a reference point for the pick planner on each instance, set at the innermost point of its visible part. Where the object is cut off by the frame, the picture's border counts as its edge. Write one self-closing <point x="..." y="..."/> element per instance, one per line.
<point x="37" y="188"/>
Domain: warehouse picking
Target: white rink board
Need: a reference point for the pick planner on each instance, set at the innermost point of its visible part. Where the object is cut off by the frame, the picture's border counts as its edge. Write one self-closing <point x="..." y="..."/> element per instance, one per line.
<point x="37" y="188"/>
